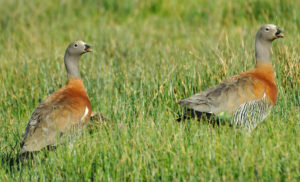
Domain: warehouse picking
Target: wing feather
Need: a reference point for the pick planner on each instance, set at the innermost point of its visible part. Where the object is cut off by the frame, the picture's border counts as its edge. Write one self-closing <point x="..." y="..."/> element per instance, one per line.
<point x="224" y="97"/>
<point x="53" y="117"/>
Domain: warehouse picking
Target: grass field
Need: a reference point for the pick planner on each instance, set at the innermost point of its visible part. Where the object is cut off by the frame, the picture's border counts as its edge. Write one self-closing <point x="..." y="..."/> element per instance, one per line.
<point x="148" y="55"/>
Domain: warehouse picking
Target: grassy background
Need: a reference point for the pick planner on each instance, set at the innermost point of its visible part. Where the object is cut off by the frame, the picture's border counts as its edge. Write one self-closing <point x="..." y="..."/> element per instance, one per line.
<point x="148" y="55"/>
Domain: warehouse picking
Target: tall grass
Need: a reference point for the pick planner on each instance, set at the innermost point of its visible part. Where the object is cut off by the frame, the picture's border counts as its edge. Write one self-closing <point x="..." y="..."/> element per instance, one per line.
<point x="148" y="55"/>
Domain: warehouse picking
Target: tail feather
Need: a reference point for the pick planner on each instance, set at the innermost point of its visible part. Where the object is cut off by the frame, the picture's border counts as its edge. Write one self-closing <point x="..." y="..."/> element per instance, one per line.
<point x="192" y="114"/>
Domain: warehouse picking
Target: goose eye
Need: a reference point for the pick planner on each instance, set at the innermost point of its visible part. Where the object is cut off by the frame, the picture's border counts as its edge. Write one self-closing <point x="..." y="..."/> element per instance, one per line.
<point x="75" y="45"/>
<point x="267" y="29"/>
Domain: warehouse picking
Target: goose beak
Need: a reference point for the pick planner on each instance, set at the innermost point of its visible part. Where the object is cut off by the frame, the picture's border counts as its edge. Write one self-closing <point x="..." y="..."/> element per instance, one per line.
<point x="279" y="33"/>
<point x="88" y="48"/>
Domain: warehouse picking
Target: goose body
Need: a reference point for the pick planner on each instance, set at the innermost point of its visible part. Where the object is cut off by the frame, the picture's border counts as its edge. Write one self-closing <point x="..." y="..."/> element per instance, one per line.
<point x="249" y="96"/>
<point x="64" y="112"/>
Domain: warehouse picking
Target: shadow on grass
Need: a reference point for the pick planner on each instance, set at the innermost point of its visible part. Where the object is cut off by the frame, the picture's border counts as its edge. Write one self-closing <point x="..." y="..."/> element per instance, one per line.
<point x="13" y="161"/>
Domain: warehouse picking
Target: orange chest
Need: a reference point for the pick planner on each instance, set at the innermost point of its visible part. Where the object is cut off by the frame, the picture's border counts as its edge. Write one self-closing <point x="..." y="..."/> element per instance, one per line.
<point x="265" y="83"/>
<point x="76" y="94"/>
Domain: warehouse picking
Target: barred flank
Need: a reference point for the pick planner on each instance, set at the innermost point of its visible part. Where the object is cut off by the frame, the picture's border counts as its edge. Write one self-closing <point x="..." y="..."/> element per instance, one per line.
<point x="249" y="114"/>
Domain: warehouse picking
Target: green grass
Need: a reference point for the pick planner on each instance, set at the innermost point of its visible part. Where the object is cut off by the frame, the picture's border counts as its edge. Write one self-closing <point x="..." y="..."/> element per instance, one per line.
<point x="148" y="55"/>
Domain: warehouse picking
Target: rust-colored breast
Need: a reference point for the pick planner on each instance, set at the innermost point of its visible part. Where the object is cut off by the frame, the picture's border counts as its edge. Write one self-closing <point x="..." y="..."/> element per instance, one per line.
<point x="263" y="81"/>
<point x="68" y="108"/>
<point x="78" y="97"/>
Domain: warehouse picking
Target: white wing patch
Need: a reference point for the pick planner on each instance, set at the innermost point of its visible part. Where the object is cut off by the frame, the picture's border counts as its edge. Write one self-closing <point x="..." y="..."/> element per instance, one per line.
<point x="85" y="113"/>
